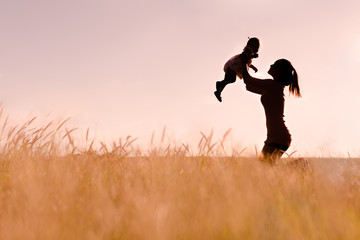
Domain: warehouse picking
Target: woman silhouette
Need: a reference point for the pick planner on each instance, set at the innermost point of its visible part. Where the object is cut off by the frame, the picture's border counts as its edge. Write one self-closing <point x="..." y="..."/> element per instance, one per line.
<point x="272" y="98"/>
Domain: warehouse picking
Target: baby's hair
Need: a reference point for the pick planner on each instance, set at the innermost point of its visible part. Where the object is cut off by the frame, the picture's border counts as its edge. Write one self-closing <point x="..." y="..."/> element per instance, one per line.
<point x="253" y="41"/>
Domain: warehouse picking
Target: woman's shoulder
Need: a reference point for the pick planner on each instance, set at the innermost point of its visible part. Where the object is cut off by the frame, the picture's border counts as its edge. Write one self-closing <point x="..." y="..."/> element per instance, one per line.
<point x="275" y="86"/>
<point x="268" y="82"/>
<point x="272" y="84"/>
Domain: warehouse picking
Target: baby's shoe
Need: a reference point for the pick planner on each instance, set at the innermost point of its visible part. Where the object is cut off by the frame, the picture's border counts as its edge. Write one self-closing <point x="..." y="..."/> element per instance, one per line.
<point x="218" y="95"/>
<point x="218" y="91"/>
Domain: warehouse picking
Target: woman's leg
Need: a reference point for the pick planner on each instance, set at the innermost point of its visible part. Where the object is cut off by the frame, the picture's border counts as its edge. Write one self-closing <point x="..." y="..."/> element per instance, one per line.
<point x="271" y="152"/>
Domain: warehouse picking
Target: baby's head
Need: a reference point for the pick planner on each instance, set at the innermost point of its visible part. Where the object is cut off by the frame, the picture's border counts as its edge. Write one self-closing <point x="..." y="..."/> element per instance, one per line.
<point x="254" y="44"/>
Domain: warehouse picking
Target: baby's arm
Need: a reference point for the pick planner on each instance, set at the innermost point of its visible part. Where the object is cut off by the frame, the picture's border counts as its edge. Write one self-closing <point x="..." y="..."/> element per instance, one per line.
<point x="254" y="85"/>
<point x="253" y="68"/>
<point x="250" y="55"/>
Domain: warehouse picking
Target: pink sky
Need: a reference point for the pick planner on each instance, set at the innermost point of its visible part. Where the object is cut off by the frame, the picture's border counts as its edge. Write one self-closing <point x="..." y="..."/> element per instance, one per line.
<point x="133" y="67"/>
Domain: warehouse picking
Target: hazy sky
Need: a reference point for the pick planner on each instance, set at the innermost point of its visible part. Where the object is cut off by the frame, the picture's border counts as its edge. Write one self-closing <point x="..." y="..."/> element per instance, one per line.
<point x="132" y="67"/>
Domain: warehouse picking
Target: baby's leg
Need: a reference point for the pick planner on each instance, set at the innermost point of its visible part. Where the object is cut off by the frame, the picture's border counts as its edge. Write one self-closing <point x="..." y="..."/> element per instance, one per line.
<point x="230" y="77"/>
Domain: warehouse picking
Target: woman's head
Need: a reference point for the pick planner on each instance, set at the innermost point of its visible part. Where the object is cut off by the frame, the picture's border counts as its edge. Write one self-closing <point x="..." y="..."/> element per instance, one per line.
<point x="283" y="72"/>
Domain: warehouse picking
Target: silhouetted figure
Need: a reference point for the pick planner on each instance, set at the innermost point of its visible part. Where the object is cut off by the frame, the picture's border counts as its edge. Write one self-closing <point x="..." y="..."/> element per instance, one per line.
<point x="232" y="67"/>
<point x="272" y="98"/>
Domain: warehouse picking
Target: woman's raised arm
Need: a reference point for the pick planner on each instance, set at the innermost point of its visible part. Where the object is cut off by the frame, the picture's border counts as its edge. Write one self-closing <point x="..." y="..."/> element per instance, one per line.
<point x="254" y="85"/>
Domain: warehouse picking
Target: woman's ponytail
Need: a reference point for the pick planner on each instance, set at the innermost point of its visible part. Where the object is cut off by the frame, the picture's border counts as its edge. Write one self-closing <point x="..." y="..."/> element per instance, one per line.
<point x="287" y="76"/>
<point x="294" y="88"/>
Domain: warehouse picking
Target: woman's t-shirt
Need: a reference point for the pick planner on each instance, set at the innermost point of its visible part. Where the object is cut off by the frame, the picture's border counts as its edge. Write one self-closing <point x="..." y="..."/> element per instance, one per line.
<point x="272" y="98"/>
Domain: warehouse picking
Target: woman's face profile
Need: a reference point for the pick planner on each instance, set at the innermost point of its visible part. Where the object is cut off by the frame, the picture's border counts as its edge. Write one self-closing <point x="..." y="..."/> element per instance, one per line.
<point x="272" y="71"/>
<point x="275" y="70"/>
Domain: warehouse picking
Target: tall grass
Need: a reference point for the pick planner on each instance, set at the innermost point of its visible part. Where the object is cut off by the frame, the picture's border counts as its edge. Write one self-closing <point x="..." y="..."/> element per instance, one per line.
<point x="53" y="187"/>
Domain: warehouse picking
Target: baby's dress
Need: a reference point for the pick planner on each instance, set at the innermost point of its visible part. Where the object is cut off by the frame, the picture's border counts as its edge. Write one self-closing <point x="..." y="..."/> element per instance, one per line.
<point x="234" y="63"/>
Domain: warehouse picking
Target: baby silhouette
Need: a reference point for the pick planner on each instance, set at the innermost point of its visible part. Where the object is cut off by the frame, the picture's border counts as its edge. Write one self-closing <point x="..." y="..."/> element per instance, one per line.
<point x="233" y="68"/>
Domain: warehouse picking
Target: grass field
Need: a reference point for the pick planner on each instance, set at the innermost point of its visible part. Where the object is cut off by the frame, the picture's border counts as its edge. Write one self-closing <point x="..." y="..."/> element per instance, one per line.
<point x="52" y="188"/>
